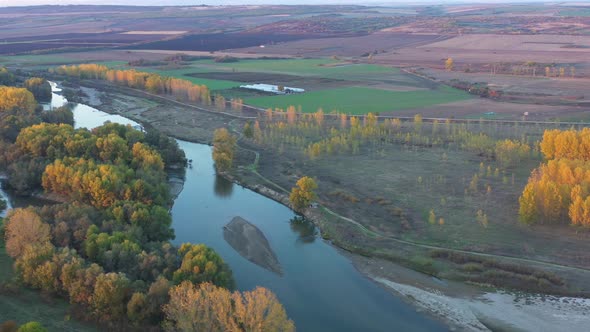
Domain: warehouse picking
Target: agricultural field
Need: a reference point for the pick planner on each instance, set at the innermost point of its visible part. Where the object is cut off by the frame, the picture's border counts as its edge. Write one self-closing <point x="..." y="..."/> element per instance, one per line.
<point x="360" y="100"/>
<point x="355" y="46"/>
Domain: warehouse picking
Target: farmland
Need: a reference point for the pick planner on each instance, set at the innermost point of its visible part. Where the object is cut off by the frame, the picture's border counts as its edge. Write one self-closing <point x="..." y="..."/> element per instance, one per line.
<point x="359" y="100"/>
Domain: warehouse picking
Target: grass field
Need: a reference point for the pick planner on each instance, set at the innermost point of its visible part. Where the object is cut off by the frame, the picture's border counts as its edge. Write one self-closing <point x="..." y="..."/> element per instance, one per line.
<point x="359" y="100"/>
<point x="325" y="68"/>
<point x="317" y="67"/>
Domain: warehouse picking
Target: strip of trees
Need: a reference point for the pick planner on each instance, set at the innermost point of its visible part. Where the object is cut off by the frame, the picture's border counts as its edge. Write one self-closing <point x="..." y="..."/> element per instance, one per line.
<point x="559" y="190"/>
<point x="150" y="82"/>
<point x="315" y="135"/>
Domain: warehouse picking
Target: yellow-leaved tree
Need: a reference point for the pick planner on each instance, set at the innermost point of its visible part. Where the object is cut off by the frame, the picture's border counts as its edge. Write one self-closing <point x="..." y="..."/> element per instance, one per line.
<point x="224" y="147"/>
<point x="303" y="194"/>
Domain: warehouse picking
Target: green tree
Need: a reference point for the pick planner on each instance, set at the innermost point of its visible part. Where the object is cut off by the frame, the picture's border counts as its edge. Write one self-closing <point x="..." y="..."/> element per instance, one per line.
<point x="32" y="327"/>
<point x="137" y="308"/>
<point x="202" y="264"/>
<point x="303" y="194"/>
<point x="39" y="87"/>
<point x="248" y="131"/>
<point x="109" y="299"/>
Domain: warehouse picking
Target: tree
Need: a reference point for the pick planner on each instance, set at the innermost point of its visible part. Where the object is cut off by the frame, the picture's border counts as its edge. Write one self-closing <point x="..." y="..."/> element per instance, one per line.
<point x="449" y="64"/>
<point x="431" y="217"/>
<point x="109" y="299"/>
<point x="32" y="327"/>
<point x="209" y="308"/>
<point x="248" y="131"/>
<point x="302" y="195"/>
<point x="220" y="102"/>
<point x="20" y="99"/>
<point x="199" y="308"/>
<point x="202" y="264"/>
<point x="259" y="310"/>
<point x="137" y="308"/>
<point x="24" y="227"/>
<point x="224" y="147"/>
<point x="6" y="77"/>
<point x="39" y="87"/>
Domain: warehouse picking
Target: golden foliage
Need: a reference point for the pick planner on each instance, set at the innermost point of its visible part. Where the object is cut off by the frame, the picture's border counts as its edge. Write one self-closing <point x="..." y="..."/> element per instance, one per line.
<point x="209" y="308"/>
<point x="303" y="194"/>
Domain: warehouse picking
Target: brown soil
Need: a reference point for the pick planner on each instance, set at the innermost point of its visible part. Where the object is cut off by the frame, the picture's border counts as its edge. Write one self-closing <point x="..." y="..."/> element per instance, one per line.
<point x="346" y="46"/>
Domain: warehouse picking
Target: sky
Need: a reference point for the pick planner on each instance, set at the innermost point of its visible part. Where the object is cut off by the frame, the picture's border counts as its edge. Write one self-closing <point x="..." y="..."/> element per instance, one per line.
<point x="4" y="3"/>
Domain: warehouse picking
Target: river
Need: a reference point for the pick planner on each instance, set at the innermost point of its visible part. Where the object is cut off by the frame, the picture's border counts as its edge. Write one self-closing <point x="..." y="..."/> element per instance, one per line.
<point x="320" y="288"/>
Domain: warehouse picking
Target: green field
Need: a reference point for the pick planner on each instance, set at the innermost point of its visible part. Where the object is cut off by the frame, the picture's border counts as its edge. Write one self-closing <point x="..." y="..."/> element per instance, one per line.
<point x="315" y="67"/>
<point x="359" y="100"/>
<point x="299" y="67"/>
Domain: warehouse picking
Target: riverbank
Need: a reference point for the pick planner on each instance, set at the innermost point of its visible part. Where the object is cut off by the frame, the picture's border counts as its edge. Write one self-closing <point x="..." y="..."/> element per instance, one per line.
<point x="417" y="290"/>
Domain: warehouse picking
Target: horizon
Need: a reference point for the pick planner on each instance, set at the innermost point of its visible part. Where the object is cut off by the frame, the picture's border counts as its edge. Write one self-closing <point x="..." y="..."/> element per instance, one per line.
<point x="157" y="3"/>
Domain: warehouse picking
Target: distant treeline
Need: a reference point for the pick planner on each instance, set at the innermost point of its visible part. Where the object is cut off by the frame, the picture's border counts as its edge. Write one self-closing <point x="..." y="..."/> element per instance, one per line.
<point x="153" y="83"/>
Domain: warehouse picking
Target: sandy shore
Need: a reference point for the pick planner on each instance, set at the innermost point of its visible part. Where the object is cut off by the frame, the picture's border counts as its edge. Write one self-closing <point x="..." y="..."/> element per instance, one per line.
<point x="467" y="307"/>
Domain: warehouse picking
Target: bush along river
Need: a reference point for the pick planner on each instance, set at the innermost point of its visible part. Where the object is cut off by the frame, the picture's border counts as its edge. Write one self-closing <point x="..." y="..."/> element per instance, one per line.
<point x="320" y="288"/>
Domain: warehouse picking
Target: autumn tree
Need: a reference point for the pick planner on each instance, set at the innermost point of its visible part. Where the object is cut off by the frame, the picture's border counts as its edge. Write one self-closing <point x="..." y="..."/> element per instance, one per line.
<point x="202" y="264"/>
<point x="199" y="308"/>
<point x="224" y="147"/>
<point x="39" y="87"/>
<point x="220" y="102"/>
<point x="260" y="310"/>
<point x="248" y="131"/>
<point x="511" y="152"/>
<point x="303" y="194"/>
<point x="449" y="64"/>
<point x="209" y="308"/>
<point x="24" y="227"/>
<point x="109" y="299"/>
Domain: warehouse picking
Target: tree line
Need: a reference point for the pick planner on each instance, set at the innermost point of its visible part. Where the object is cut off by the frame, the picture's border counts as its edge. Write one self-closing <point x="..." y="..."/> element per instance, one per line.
<point x="315" y="136"/>
<point x="151" y="82"/>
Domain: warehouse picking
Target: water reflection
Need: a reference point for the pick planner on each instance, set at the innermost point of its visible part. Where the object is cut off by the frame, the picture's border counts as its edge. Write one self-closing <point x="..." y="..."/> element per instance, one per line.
<point x="305" y="229"/>
<point x="222" y="187"/>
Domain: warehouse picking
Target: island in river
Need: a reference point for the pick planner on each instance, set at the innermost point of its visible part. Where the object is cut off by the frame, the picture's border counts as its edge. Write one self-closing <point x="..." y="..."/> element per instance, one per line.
<point x="251" y="244"/>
